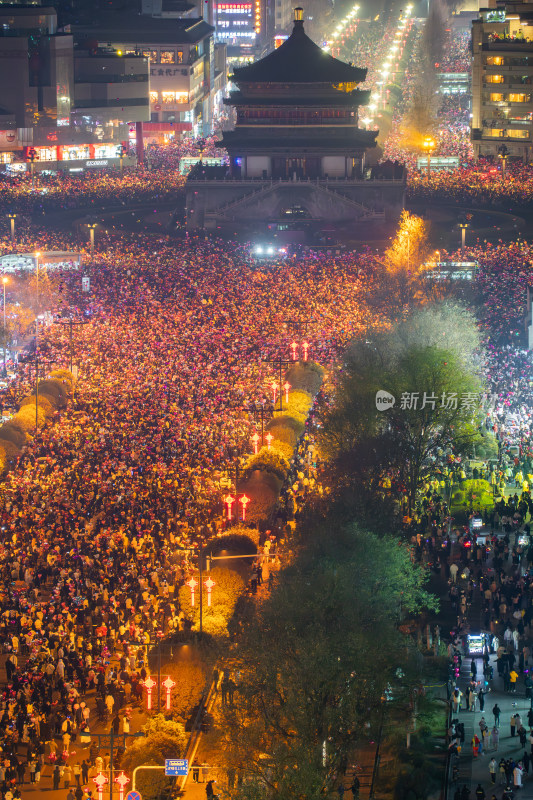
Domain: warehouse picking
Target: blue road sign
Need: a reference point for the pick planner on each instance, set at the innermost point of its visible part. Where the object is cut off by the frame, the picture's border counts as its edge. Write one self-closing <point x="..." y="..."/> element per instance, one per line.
<point x="134" y="796"/>
<point x="176" y="766"/>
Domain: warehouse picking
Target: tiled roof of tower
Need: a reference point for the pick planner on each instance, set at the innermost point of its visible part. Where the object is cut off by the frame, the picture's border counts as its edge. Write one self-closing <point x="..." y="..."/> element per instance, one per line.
<point x="299" y="60"/>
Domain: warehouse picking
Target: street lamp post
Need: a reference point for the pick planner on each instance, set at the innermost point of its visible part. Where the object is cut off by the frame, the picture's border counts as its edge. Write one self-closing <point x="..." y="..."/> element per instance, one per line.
<point x="261" y="411"/>
<point x="121" y="152"/>
<point x="92" y="226"/>
<point x="37" y="257"/>
<point x="463" y="226"/>
<point x="200" y="551"/>
<point x="12" y="218"/>
<point x="71" y="322"/>
<point x="429" y="145"/>
<point x="279" y="364"/>
<point x="503" y="152"/>
<point x="4" y="281"/>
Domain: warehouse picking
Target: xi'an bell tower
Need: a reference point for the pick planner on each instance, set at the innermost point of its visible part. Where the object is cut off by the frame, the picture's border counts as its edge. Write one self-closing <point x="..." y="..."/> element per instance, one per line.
<point x="296" y="141"/>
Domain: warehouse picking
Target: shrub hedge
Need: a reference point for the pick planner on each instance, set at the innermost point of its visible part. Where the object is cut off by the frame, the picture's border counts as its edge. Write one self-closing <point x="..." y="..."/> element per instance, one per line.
<point x="53" y="394"/>
<point x="286" y="427"/>
<point x="306" y="376"/>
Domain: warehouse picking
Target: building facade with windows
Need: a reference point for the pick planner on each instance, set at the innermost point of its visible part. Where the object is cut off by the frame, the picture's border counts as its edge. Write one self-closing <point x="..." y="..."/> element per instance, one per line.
<point x="70" y="107"/>
<point x="184" y="81"/>
<point x="502" y="81"/>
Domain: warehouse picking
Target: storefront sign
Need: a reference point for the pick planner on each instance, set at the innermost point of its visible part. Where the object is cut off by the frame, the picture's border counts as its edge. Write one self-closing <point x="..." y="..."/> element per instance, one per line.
<point x="102" y="162"/>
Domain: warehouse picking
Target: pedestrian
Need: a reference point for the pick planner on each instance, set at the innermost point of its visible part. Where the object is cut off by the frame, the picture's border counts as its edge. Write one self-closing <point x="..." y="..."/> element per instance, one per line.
<point x="513" y="725"/>
<point x="480" y="792"/>
<point x="496" y="711"/>
<point x="209" y="791"/>
<point x="481" y="698"/>
<point x="195" y="771"/>
<point x="493" y="766"/>
<point x="475" y="745"/>
<point x="517" y="777"/>
<point x="56" y="777"/>
<point x="495" y="738"/>
<point x="502" y="771"/>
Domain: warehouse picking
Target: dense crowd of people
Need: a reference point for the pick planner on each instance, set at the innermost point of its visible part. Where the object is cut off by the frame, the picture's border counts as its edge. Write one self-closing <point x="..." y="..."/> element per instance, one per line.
<point x="97" y="508"/>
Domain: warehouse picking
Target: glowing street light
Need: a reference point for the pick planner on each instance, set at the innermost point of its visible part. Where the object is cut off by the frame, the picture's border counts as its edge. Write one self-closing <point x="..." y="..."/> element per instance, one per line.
<point x="149" y="685"/>
<point x="255" y="440"/>
<point x="269" y="438"/>
<point x="429" y="145"/>
<point x="122" y="780"/>
<point x="12" y="218"/>
<point x="286" y="386"/>
<point x="463" y="226"/>
<point x="229" y="500"/>
<point x="244" y="502"/>
<point x="294" y="348"/>
<point x="168" y="685"/>
<point x="305" y="346"/>
<point x="209" y="583"/>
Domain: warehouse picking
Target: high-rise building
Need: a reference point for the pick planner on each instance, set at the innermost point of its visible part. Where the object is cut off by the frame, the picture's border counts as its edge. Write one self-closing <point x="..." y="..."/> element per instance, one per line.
<point x="185" y="86"/>
<point x="72" y="110"/>
<point x="502" y="77"/>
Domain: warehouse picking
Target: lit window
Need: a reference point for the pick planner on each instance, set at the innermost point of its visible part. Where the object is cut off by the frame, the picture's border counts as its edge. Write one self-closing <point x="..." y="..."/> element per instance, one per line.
<point x="518" y="98"/>
<point x="179" y="59"/>
<point x="495" y="61"/>
<point x="151" y="54"/>
<point x="182" y="97"/>
<point x="168" y="57"/>
<point x="494" y="78"/>
<point x="496" y="97"/>
<point x="516" y="134"/>
<point x="495" y="132"/>
<point x="168" y="97"/>
<point x="154" y="97"/>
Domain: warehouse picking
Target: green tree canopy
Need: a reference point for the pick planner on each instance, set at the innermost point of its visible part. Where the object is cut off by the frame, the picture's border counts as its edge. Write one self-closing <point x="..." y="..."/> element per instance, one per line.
<point x="422" y="363"/>
<point x="317" y="660"/>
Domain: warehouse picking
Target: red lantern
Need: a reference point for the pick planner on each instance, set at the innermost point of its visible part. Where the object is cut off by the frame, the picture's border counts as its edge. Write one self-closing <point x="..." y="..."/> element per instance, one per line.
<point x="192" y="584"/>
<point x="209" y="583"/>
<point x="169" y="685"/>
<point x="100" y="781"/>
<point x="244" y="502"/>
<point x="149" y="685"/>
<point x="122" y="780"/>
<point x="229" y="500"/>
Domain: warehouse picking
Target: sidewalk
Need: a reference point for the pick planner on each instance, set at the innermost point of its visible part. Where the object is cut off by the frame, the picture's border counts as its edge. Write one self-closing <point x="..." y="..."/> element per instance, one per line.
<point x="475" y="770"/>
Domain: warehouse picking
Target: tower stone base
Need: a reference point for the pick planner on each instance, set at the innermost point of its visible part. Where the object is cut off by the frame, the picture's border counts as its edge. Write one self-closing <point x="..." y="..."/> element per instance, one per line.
<point x="210" y="203"/>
